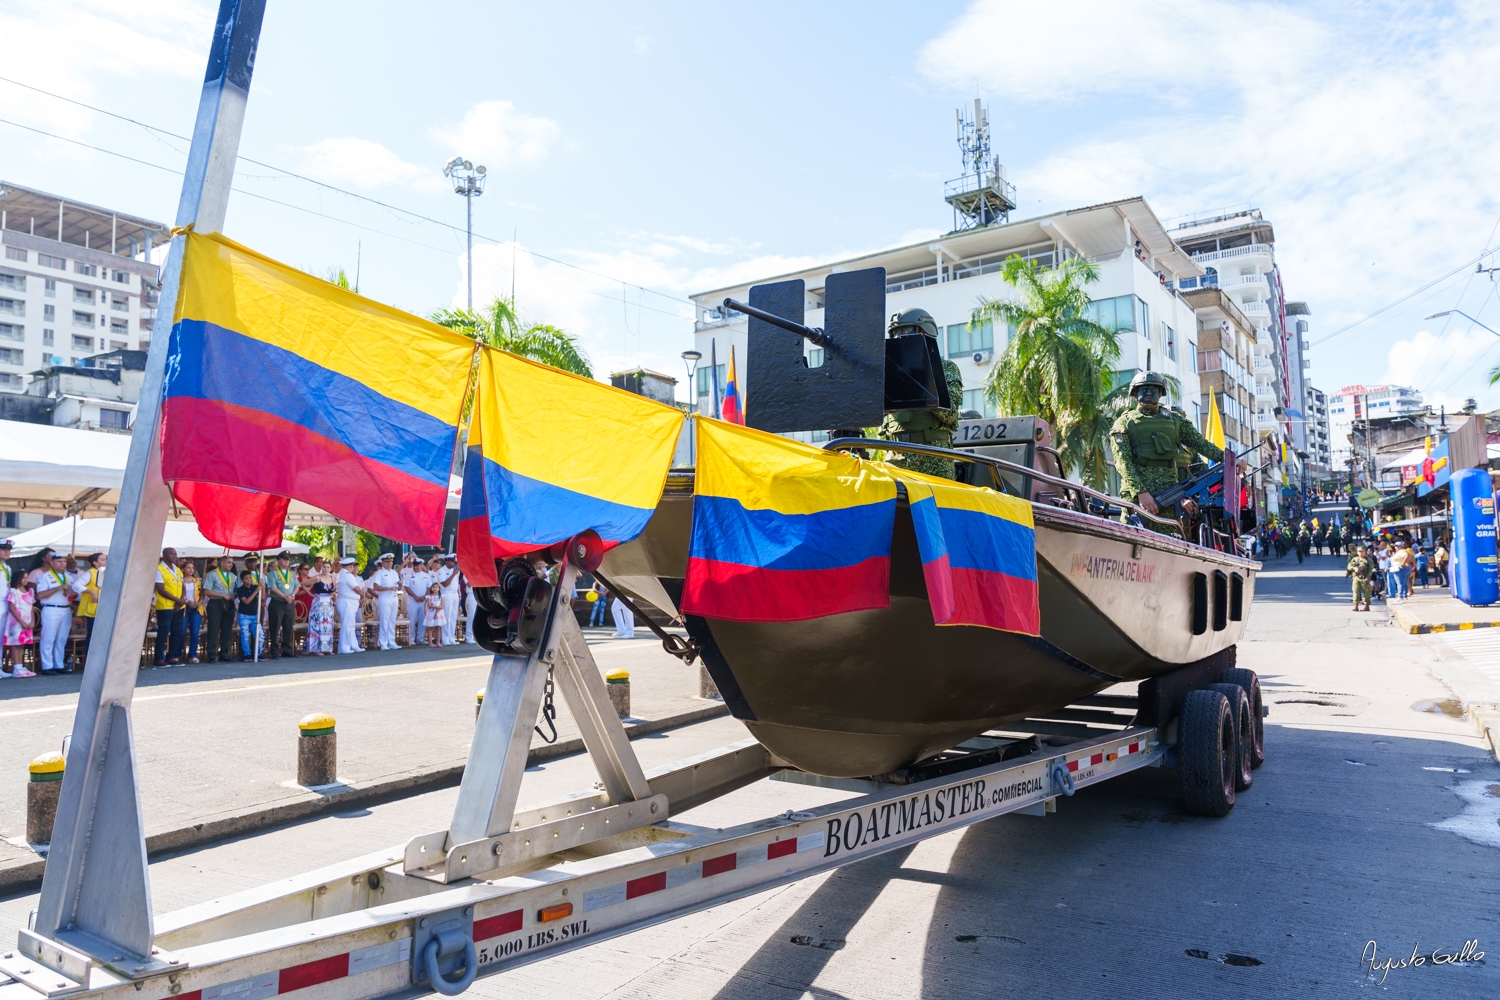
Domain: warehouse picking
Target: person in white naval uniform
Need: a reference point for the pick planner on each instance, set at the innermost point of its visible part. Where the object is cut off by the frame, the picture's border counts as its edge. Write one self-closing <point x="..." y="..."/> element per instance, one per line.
<point x="471" y="605"/>
<point x="624" y="620"/>
<point x="415" y="580"/>
<point x="54" y="593"/>
<point x="449" y="578"/>
<point x="349" y="596"/>
<point x="385" y="584"/>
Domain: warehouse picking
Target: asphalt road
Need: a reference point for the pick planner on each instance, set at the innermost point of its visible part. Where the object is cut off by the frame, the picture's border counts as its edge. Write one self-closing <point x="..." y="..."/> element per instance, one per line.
<point x="1374" y="818"/>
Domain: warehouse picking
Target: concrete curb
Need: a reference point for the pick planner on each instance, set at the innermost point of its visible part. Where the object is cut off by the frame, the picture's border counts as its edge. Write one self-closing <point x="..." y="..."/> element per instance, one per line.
<point x="1415" y="626"/>
<point x="24" y="873"/>
<point x="1487" y="718"/>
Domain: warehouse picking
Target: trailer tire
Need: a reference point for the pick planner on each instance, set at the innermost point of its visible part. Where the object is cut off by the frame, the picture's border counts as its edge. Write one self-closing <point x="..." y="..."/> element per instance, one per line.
<point x="1205" y="754"/>
<point x="1239" y="710"/>
<point x="1251" y="683"/>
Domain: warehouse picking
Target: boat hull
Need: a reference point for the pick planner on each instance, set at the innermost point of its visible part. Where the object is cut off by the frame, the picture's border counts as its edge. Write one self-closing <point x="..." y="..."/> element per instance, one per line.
<point x="871" y="691"/>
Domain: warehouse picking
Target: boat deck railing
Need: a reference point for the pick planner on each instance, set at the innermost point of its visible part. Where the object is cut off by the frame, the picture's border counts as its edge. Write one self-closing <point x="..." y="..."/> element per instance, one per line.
<point x="1081" y="494"/>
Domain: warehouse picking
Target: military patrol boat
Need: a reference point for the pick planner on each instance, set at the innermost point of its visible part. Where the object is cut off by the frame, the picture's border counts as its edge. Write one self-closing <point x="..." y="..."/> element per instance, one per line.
<point x="869" y="692"/>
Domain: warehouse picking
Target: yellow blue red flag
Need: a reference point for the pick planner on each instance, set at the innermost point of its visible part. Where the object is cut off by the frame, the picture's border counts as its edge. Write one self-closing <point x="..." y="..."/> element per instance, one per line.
<point x="978" y="550"/>
<point x="283" y="383"/>
<point x="552" y="454"/>
<point x="784" y="531"/>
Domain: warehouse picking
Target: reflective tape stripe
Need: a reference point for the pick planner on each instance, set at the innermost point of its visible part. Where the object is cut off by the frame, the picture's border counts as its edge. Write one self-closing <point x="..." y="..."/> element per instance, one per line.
<point x="299" y="977"/>
<point x="610" y="895"/>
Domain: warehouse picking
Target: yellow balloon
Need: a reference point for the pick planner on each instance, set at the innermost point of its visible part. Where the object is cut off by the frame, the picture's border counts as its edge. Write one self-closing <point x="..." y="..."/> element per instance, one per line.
<point x="592" y="596"/>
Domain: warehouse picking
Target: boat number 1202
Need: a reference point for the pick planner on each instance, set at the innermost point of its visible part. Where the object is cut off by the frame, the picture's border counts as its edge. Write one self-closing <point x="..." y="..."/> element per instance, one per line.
<point x="990" y="430"/>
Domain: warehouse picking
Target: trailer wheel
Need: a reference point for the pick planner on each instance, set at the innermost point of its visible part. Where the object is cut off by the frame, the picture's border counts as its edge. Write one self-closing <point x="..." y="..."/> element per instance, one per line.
<point x="1206" y="753"/>
<point x="1251" y="683"/>
<point x="1239" y="711"/>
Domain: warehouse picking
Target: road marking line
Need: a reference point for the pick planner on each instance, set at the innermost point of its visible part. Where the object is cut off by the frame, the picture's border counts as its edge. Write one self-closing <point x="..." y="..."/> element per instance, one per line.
<point x="253" y="687"/>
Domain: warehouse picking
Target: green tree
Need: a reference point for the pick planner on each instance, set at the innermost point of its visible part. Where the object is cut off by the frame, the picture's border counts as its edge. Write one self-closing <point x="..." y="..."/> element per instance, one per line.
<point x="325" y="542"/>
<point x="1059" y="364"/>
<point x="498" y="326"/>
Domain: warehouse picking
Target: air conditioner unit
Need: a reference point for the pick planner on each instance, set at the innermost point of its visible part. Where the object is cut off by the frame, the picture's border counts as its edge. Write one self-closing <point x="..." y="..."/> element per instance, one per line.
<point x="983" y="357"/>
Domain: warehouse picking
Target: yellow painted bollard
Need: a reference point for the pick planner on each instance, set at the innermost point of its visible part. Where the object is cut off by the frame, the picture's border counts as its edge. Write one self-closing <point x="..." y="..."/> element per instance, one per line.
<point x="478" y="703"/>
<point x="317" y="750"/>
<point x="618" y="683"/>
<point x="41" y="797"/>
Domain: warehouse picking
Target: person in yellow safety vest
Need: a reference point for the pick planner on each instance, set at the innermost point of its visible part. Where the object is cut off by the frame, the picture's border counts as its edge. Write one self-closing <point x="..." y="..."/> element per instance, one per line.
<point x="169" y="615"/>
<point x="89" y="586"/>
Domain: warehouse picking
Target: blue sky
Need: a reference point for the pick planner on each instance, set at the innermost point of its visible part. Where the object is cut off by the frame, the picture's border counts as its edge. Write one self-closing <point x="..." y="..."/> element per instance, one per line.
<point x="668" y="148"/>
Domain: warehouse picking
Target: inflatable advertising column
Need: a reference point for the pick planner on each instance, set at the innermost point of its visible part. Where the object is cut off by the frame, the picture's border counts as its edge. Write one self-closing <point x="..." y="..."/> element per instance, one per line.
<point x="1473" y="579"/>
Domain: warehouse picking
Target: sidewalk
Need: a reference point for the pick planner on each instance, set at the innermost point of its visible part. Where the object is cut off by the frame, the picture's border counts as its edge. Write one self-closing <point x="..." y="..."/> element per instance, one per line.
<point x="216" y="745"/>
<point x="1435" y="610"/>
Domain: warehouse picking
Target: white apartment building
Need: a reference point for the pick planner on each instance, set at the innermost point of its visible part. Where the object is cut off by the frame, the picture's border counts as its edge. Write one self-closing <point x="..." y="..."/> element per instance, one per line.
<point x="1319" y="438"/>
<point x="1356" y="402"/>
<point x="1139" y="265"/>
<point x="75" y="280"/>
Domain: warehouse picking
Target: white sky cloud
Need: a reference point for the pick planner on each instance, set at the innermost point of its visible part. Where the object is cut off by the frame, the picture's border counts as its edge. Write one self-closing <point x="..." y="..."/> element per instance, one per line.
<point x="366" y="165"/>
<point x="498" y="134"/>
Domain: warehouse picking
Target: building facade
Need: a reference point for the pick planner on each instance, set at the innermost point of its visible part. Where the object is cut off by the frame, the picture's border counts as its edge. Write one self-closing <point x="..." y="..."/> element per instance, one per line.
<point x="1319" y="436"/>
<point x="1354" y="404"/>
<point x="75" y="280"/>
<point x="1139" y="267"/>
<point x="1226" y="373"/>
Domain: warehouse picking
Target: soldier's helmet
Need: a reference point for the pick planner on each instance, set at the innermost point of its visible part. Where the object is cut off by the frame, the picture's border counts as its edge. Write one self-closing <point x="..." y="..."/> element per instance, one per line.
<point x="1143" y="379"/>
<point x="914" y="321"/>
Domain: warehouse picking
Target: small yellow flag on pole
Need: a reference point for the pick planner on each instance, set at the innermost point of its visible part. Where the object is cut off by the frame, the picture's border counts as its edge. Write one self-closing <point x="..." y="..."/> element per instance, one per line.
<point x="1215" y="432"/>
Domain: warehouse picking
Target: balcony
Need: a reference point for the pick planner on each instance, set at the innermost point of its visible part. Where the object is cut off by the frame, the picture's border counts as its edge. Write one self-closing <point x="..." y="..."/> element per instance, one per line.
<point x="1255" y="309"/>
<point x="1209" y="256"/>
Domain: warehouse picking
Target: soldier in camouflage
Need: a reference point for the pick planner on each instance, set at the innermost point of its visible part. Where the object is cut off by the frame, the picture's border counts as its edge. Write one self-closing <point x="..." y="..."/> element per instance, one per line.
<point x="1361" y="570"/>
<point x="1149" y="441"/>
<point x="933" y="426"/>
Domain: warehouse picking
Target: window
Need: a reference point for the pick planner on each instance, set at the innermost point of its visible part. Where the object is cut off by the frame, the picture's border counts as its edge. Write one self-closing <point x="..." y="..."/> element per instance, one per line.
<point x="8" y="519"/>
<point x="146" y="324"/>
<point x="122" y="277"/>
<point x="47" y="260"/>
<point x="48" y="337"/>
<point x="15" y="253"/>
<point x="1170" y="336"/>
<point x="49" y="286"/>
<point x="12" y="356"/>
<point x="815" y="357"/>
<point x="13" y="282"/>
<point x="118" y="345"/>
<point x="83" y="319"/>
<point x="12" y="331"/>
<point x="974" y="400"/>
<point x="1124" y="312"/>
<point x="706" y="382"/>
<point x="49" y="314"/>
<point x="82" y="343"/>
<point x="113" y="420"/>
<point x="963" y="341"/>
<point x="79" y="267"/>
<point x="119" y="303"/>
<point x="13" y="307"/>
<point x="83" y="294"/>
<point x="1192" y="353"/>
<point x="119" y="326"/>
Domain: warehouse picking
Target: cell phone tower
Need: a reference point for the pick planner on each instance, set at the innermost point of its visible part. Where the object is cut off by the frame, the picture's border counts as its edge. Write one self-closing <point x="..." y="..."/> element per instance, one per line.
<point x="982" y="195"/>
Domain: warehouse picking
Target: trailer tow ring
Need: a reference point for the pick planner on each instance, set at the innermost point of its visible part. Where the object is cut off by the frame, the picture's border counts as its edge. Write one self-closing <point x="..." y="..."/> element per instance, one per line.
<point x="450" y="941"/>
<point x="1062" y="778"/>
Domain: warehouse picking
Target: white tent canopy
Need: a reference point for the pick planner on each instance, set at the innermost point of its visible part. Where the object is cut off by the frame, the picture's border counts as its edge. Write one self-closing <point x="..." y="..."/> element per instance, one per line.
<point x="93" y="535"/>
<point x="60" y="470"/>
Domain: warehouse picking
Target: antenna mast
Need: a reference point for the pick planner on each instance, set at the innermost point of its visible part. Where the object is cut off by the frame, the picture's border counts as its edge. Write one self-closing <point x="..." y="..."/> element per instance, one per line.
<point x="982" y="196"/>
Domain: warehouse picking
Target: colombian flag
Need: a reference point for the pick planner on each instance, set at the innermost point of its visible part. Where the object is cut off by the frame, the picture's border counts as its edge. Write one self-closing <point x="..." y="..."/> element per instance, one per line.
<point x="978" y="551"/>
<point x="552" y="454"/>
<point x="784" y="531"/>
<point x="282" y="383"/>
<point x="733" y="409"/>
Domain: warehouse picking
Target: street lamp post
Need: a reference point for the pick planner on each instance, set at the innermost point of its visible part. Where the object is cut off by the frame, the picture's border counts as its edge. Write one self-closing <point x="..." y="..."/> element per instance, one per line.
<point x="468" y="182"/>
<point x="691" y="359"/>
<point x="1459" y="312"/>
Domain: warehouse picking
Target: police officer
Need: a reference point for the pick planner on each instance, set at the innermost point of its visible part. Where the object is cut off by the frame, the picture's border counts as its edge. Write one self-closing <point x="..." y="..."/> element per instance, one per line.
<point x="929" y="426"/>
<point x="1146" y="440"/>
<point x="1361" y="570"/>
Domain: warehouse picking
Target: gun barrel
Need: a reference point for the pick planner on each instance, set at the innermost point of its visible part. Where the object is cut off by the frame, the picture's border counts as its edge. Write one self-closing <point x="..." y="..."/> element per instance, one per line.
<point x="810" y="333"/>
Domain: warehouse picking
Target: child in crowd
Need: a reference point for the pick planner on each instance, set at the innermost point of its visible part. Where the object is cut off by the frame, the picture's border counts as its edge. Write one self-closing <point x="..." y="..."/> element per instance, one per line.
<point x="247" y="609"/>
<point x="432" y="615"/>
<point x="18" y="626"/>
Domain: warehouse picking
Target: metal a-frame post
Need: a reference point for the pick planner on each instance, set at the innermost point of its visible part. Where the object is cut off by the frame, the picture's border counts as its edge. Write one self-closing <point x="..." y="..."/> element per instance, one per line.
<point x="96" y="900"/>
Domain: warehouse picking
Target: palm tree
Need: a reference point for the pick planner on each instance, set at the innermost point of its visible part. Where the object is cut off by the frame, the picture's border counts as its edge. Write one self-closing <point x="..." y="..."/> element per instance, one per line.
<point x="499" y="326"/>
<point x="1059" y="365"/>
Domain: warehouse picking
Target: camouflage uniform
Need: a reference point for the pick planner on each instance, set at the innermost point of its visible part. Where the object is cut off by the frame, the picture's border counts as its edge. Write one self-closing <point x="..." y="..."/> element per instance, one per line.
<point x="934" y="427"/>
<point x="1149" y="449"/>
<point x="1361" y="570"/>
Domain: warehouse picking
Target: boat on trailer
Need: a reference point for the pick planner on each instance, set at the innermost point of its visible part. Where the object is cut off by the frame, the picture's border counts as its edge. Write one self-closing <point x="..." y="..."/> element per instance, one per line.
<point x="871" y="692"/>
